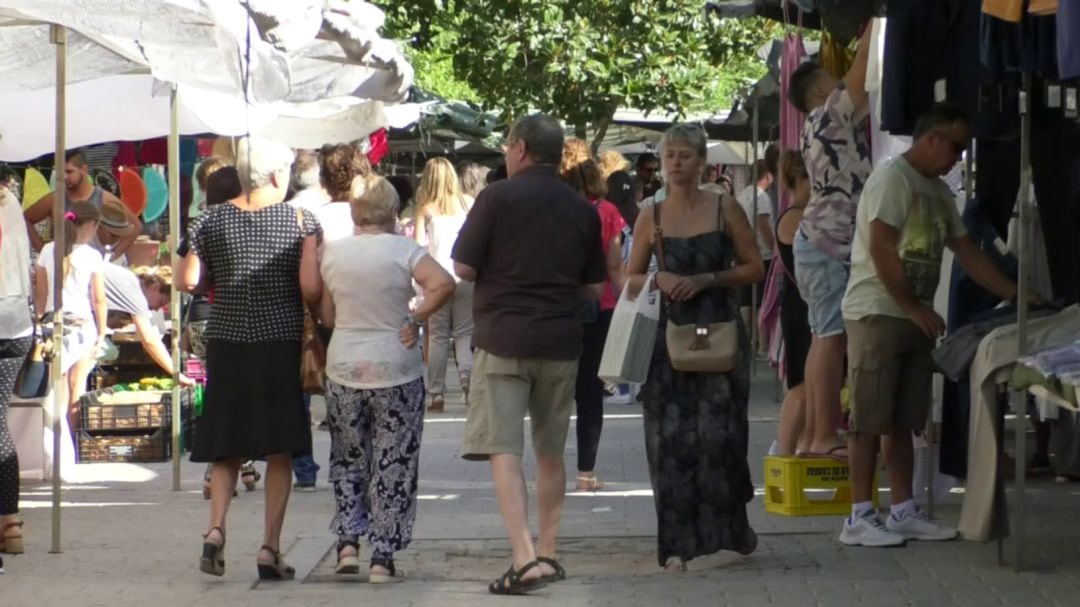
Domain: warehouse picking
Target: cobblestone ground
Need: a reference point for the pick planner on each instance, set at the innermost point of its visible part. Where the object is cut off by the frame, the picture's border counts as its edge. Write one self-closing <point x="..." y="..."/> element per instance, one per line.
<point x="129" y="540"/>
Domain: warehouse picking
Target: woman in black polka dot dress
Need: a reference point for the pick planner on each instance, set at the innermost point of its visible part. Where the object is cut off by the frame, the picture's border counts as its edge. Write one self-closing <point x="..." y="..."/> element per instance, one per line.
<point x="251" y="250"/>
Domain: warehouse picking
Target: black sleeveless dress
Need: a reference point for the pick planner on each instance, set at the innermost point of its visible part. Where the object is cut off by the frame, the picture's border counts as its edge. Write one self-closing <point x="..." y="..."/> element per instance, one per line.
<point x="696" y="426"/>
<point x="794" y="318"/>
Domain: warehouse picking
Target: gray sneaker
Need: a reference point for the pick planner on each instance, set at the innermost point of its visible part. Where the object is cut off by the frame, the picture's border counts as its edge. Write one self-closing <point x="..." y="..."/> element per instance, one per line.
<point x="869" y="531"/>
<point x="918" y="526"/>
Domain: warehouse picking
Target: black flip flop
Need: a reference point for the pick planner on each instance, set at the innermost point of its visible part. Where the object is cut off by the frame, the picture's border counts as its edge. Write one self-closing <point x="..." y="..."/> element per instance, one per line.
<point x="830" y="454"/>
<point x="511" y="582"/>
<point x="560" y="573"/>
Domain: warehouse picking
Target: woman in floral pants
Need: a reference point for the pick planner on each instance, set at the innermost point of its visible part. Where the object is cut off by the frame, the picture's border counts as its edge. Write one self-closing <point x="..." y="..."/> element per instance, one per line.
<point x="375" y="387"/>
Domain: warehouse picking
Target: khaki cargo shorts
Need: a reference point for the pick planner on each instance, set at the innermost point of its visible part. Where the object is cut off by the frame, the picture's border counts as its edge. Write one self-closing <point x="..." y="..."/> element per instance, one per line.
<point x="503" y="391"/>
<point x="891" y="373"/>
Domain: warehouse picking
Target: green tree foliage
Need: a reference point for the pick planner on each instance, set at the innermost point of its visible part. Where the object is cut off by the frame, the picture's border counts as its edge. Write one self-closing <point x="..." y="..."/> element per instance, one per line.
<point x="579" y="60"/>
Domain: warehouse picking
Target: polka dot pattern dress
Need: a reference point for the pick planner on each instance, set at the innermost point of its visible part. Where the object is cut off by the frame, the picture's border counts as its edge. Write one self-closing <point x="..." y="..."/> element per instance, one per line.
<point x="253" y="402"/>
<point x="12" y="354"/>
<point x="252" y="258"/>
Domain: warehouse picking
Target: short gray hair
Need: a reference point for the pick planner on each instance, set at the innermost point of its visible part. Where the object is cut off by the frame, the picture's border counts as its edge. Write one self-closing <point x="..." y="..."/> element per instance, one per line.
<point x="542" y="136"/>
<point x="374" y="201"/>
<point x="259" y="159"/>
<point x="307" y="173"/>
<point x="690" y="134"/>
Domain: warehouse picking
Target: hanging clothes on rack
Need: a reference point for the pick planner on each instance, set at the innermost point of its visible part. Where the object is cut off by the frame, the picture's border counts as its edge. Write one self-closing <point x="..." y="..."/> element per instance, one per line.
<point x="1029" y="45"/>
<point x="791" y="123"/>
<point x="834" y="57"/>
<point x="1043" y="7"/>
<point x="791" y="119"/>
<point x="1006" y="10"/>
<point x="934" y="44"/>
<point x="884" y="145"/>
<point x="1068" y="39"/>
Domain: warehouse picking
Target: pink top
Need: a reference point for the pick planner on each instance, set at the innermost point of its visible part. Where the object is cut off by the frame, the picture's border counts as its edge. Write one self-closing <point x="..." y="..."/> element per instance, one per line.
<point x="611" y="226"/>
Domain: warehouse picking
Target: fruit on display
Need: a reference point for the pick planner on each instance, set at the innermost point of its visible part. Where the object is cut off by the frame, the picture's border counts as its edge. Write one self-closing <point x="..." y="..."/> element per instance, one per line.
<point x="146" y="384"/>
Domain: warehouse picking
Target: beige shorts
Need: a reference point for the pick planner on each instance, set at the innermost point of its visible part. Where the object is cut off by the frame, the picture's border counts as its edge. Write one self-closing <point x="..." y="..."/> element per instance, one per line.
<point x="502" y="391"/>
<point x="891" y="373"/>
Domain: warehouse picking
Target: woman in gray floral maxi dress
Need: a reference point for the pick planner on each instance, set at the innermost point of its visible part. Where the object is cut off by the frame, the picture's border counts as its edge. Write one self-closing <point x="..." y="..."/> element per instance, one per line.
<point x="696" y="427"/>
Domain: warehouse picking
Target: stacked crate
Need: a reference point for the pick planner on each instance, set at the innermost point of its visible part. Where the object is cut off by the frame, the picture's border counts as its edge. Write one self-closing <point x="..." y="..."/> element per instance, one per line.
<point x="128" y="426"/>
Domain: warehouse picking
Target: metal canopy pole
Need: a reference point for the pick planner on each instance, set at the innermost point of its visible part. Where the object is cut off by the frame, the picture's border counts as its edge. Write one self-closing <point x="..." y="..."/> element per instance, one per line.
<point x="1019" y="398"/>
<point x="755" y="297"/>
<point x="58" y="36"/>
<point x="174" y="300"/>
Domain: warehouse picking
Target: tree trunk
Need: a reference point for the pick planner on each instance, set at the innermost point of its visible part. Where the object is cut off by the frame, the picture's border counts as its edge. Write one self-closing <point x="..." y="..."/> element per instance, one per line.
<point x="601" y="131"/>
<point x="581" y="131"/>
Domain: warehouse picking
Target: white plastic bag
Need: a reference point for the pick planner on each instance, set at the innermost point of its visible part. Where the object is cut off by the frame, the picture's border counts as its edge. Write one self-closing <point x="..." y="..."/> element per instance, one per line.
<point x="632" y="337"/>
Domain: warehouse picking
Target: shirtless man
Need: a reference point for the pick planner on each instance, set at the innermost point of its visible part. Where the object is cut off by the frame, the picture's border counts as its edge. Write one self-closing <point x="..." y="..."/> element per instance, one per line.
<point x="79" y="189"/>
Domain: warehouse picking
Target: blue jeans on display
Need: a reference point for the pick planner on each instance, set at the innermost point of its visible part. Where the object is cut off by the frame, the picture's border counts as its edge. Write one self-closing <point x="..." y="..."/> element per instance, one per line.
<point x="304" y="466"/>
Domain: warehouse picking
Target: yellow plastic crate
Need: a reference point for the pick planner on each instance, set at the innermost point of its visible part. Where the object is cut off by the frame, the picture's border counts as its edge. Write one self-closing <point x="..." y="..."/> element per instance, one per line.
<point x="796" y="486"/>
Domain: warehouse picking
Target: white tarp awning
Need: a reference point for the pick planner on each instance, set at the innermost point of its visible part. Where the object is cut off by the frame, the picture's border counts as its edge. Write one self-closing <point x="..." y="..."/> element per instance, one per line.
<point x="318" y="70"/>
<point x="720" y="152"/>
<point x="136" y="107"/>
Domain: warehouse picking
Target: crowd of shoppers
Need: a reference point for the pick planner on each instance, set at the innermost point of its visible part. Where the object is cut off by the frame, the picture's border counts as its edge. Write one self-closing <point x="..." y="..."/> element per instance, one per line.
<point x="389" y="278"/>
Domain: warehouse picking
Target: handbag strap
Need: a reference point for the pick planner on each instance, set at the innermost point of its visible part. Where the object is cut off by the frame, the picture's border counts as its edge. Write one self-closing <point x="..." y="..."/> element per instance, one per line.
<point x="658" y="238"/>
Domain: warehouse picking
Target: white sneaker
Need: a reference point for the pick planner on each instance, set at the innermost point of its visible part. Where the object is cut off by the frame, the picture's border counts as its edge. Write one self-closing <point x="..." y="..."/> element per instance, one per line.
<point x="868" y="531"/>
<point x="918" y="526"/>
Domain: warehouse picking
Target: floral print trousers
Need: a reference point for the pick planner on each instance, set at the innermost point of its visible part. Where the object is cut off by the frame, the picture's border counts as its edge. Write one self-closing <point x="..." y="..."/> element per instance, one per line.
<point x="374" y="462"/>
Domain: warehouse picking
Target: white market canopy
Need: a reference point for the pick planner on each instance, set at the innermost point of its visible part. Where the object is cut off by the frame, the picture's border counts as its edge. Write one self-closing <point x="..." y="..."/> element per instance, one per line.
<point x="317" y="71"/>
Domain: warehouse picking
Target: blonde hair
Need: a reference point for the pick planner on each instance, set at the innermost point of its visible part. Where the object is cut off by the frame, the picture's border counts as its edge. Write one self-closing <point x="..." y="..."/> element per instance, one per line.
<point x="160" y="277"/>
<point x="81" y="213"/>
<point x="612" y="161"/>
<point x="440" y="190"/>
<point x="374" y="202"/>
<point x="575" y="151"/>
<point x="586" y="179"/>
<point x="690" y="134"/>
<point x="207" y="168"/>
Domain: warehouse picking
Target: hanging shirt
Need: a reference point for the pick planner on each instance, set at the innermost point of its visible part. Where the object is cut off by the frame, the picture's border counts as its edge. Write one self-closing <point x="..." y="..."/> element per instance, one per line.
<point x="1007" y="10"/>
<point x="1068" y="39"/>
<point x="1043" y="7"/>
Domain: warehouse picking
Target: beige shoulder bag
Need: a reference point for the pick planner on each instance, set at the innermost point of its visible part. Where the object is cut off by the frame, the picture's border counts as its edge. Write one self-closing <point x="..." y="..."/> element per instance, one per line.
<point x="698" y="348"/>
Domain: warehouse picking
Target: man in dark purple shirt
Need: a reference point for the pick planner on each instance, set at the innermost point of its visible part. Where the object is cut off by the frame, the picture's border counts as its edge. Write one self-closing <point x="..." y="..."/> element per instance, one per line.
<point x="532" y="245"/>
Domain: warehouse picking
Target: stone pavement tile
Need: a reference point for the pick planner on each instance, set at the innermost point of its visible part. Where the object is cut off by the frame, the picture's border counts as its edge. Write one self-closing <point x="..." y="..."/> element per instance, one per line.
<point x="129" y="538"/>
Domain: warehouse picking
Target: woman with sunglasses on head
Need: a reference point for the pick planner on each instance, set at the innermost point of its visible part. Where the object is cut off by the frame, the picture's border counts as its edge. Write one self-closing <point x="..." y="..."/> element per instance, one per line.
<point x="696" y="423"/>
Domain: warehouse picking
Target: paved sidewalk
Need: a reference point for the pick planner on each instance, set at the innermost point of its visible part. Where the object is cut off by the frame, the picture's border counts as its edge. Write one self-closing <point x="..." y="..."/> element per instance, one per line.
<point x="129" y="540"/>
